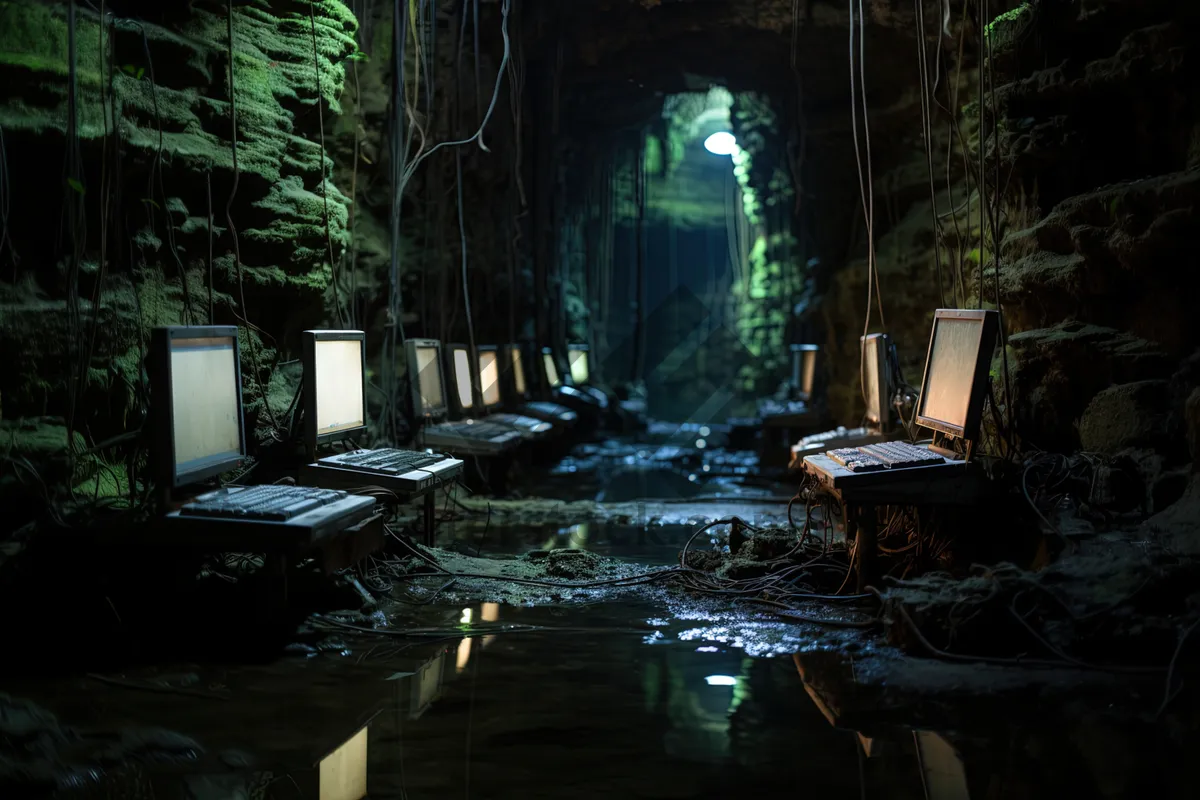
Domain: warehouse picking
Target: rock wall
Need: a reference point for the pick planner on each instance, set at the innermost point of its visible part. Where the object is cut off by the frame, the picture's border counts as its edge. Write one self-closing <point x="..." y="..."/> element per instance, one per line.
<point x="135" y="215"/>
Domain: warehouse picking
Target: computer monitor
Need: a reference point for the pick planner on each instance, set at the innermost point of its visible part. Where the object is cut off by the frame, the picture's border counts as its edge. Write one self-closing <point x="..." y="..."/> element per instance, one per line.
<point x="804" y="369"/>
<point x="517" y="364"/>
<point x="460" y="374"/>
<point x="577" y="357"/>
<point x="489" y="376"/>
<point x="335" y="379"/>
<point x="197" y="389"/>
<point x="956" y="371"/>
<point x="425" y="376"/>
<point x="550" y="369"/>
<point x="876" y="389"/>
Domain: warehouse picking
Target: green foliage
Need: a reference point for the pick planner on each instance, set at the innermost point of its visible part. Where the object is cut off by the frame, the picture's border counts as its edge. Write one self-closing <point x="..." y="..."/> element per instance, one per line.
<point x="1009" y="20"/>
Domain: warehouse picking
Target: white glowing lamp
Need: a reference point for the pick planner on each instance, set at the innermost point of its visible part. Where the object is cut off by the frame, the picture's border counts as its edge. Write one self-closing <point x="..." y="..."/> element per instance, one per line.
<point x="721" y="143"/>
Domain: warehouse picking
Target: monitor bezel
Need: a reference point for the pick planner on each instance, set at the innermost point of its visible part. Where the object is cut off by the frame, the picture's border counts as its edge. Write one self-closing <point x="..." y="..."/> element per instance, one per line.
<point x="883" y="343"/>
<point x="510" y="370"/>
<point x="584" y="348"/>
<point x="309" y="340"/>
<point x="989" y="320"/>
<point x="414" y="381"/>
<point x="161" y="340"/>
<point x="479" y="351"/>
<point x="549" y="351"/>
<point x="455" y="402"/>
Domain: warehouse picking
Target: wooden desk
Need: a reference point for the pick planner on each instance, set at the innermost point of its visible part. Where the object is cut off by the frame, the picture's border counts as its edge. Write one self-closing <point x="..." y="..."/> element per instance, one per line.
<point x="951" y="483"/>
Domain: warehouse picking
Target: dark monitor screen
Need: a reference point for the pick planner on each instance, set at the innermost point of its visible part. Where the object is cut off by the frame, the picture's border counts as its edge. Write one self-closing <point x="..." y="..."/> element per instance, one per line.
<point x="429" y="378"/>
<point x="202" y="380"/>
<point x="954" y="353"/>
<point x="875" y="382"/>
<point x="804" y="368"/>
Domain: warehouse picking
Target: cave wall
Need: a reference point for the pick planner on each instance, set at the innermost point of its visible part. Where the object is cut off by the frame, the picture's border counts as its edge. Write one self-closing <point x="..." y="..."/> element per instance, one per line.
<point x="121" y="221"/>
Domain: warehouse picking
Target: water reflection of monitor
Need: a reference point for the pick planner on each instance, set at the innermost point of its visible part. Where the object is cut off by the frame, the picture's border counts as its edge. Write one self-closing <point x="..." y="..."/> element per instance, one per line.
<point x="427" y="685"/>
<point x="343" y="773"/>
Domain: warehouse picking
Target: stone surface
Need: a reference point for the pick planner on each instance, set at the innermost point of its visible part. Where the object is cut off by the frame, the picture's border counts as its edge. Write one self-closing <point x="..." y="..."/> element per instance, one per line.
<point x="1127" y="415"/>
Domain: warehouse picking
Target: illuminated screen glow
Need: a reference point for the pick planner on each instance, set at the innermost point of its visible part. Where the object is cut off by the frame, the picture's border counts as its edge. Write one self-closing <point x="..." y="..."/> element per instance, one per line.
<point x="205" y="407"/>
<point x="429" y="380"/>
<point x="489" y="378"/>
<point x="462" y="378"/>
<point x="518" y="369"/>
<point x="871" y="379"/>
<point x="578" y="358"/>
<point x="947" y="389"/>
<point x="721" y="143"/>
<point x="551" y="370"/>
<point x="337" y="368"/>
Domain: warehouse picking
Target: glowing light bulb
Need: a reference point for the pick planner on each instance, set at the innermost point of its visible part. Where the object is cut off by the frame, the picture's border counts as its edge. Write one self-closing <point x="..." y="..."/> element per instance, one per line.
<point x="721" y="680"/>
<point x="721" y="143"/>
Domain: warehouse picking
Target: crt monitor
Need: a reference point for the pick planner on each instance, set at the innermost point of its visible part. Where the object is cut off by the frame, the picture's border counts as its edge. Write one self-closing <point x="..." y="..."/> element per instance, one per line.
<point x="197" y="389"/>
<point x="550" y="368"/>
<point x="517" y="363"/>
<point x="876" y="388"/>
<point x="425" y="377"/>
<point x="577" y="357"/>
<point x="460" y="376"/>
<point x="804" y="368"/>
<point x="956" y="371"/>
<point x="335" y="399"/>
<point x="489" y="376"/>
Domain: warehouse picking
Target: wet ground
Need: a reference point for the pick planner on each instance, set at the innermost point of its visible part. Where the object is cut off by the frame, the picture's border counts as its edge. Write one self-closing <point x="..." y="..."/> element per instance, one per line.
<point x="637" y="692"/>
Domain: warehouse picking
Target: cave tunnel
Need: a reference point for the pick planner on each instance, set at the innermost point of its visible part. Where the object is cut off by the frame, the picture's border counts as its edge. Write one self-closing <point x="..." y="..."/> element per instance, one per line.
<point x="587" y="398"/>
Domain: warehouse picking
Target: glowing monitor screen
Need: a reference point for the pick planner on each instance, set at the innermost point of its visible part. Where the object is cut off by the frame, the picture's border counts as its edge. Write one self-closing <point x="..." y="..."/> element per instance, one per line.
<point x="489" y="378"/>
<point x="462" y="378"/>
<point x="551" y="370"/>
<point x="205" y="407"/>
<point x="946" y="393"/>
<point x="578" y="357"/>
<point x="518" y="369"/>
<point x="429" y="379"/>
<point x="338" y="374"/>
<point x="871" y="377"/>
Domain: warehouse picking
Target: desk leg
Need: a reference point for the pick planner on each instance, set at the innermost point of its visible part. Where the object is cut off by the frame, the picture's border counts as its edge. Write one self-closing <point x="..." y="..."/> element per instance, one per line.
<point x="427" y="518"/>
<point x="868" y="545"/>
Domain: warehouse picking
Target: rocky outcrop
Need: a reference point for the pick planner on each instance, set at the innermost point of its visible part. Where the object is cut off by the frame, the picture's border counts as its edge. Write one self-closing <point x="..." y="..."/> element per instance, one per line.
<point x="149" y="192"/>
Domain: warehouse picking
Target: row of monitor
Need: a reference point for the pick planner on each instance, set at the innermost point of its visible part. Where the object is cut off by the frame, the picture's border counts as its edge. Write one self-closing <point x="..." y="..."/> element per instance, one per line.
<point x="957" y="364"/>
<point x="202" y="424"/>
<point x="201" y="428"/>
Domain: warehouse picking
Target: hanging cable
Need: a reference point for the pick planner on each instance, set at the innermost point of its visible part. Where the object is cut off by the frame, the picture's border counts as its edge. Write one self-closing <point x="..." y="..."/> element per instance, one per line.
<point x="462" y="237"/>
<point x="333" y="267"/>
<point x="927" y="136"/>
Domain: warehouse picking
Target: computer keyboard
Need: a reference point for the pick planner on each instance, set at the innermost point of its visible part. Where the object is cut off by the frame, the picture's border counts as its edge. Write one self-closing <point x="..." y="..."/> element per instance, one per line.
<point x="390" y="461"/>
<point x="836" y="433"/>
<point x="900" y="454"/>
<point x="520" y="421"/>
<point x="477" y="430"/>
<point x="856" y="461"/>
<point x="888" y="455"/>
<point x="270" y="502"/>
